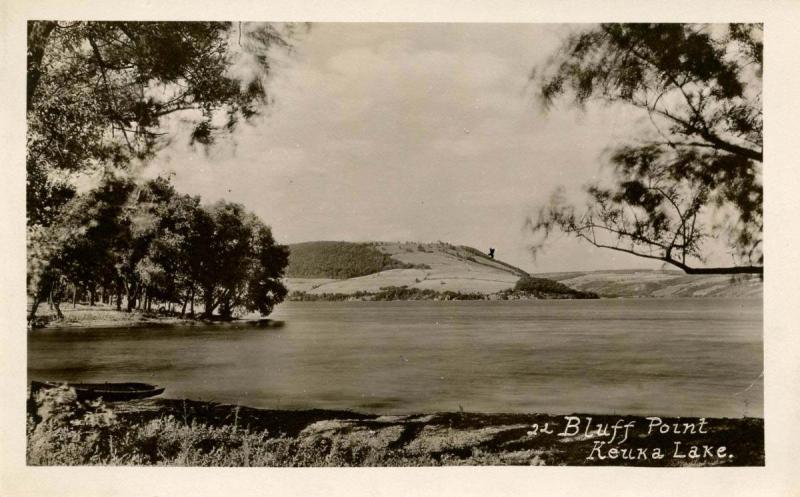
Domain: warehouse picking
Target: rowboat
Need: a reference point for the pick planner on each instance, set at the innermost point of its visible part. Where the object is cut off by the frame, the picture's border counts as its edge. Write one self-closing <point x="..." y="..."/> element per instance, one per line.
<point x="107" y="391"/>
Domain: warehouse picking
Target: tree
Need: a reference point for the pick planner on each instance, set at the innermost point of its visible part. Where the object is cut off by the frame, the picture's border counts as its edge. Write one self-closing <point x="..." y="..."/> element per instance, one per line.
<point x="145" y="212"/>
<point x="169" y="265"/>
<point x="79" y="246"/>
<point x="237" y="261"/>
<point x="696" y="174"/>
<point x="99" y="93"/>
<point x="161" y="247"/>
<point x="268" y="261"/>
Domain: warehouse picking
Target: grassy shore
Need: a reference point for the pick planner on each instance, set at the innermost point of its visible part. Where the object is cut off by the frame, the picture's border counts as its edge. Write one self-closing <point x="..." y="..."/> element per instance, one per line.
<point x="63" y="431"/>
<point x="105" y="316"/>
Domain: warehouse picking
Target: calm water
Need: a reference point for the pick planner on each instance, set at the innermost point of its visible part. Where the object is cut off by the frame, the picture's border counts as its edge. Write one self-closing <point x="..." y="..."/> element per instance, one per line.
<point x="660" y="356"/>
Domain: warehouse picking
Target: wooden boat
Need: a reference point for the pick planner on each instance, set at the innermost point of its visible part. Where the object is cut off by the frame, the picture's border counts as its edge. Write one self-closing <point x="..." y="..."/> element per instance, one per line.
<point x="107" y="391"/>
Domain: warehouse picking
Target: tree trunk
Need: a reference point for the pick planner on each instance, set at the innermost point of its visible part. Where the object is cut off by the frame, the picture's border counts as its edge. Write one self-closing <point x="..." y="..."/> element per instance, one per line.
<point x="34" y="306"/>
<point x="54" y="301"/>
<point x="130" y="296"/>
<point x="92" y="295"/>
<point x="225" y="309"/>
<point x="37" y="299"/>
<point x="74" y="296"/>
<point x="191" y="303"/>
<point x="119" y="295"/>
<point x="59" y="314"/>
<point x="38" y="33"/>
<point x="208" y="303"/>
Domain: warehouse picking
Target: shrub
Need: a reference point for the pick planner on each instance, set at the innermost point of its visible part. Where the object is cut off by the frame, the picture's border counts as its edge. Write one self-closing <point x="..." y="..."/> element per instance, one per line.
<point x="544" y="286"/>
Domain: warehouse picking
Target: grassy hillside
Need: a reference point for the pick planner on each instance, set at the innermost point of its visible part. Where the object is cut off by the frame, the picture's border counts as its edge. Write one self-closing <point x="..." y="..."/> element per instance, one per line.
<point x="338" y="260"/>
<point x="659" y="283"/>
<point x="411" y="270"/>
<point x="407" y="271"/>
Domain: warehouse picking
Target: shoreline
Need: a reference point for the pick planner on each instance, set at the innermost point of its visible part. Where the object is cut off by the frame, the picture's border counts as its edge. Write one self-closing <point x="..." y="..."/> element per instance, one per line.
<point x="197" y="433"/>
<point x="103" y="316"/>
<point x="166" y="322"/>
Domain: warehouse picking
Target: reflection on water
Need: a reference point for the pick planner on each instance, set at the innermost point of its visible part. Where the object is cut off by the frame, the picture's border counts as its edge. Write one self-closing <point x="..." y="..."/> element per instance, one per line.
<point x="700" y="357"/>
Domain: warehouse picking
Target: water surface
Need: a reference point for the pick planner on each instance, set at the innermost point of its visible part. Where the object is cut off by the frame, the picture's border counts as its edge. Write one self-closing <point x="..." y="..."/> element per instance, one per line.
<point x="688" y="357"/>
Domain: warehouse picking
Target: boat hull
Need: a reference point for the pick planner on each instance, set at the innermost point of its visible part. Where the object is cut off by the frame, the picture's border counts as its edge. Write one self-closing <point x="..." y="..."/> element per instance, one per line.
<point x="110" y="392"/>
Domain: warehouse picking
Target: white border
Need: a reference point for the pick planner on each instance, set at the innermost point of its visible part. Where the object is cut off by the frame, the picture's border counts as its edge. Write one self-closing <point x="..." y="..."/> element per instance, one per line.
<point x="782" y="333"/>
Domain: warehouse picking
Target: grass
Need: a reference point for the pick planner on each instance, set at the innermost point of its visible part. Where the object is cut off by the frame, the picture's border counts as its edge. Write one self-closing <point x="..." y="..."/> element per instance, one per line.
<point x="99" y="314"/>
<point x="63" y="431"/>
<point x="339" y="260"/>
<point x="107" y="316"/>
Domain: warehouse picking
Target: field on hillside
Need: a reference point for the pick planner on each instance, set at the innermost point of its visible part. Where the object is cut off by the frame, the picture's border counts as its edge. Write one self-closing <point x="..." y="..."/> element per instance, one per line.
<point x="665" y="283"/>
<point x="440" y="267"/>
<point x="344" y="268"/>
<point x="339" y="260"/>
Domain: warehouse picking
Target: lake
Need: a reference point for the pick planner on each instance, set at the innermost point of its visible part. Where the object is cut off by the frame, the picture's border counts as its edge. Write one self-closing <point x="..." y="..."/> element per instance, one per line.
<point x="682" y="357"/>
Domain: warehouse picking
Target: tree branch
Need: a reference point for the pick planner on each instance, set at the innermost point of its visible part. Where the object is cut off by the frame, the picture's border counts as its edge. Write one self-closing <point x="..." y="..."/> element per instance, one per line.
<point x="38" y="34"/>
<point x="687" y="269"/>
<point x="712" y="138"/>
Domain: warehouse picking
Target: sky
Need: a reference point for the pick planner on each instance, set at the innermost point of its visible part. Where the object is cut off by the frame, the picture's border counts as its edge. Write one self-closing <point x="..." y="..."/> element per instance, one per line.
<point x="413" y="132"/>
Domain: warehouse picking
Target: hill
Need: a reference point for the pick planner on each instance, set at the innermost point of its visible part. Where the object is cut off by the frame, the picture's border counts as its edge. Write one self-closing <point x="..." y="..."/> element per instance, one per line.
<point x="659" y="283"/>
<point x="338" y="260"/>
<point x="406" y="270"/>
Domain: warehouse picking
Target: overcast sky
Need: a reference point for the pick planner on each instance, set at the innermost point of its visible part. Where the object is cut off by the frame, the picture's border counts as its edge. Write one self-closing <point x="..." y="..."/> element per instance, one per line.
<point x="418" y="132"/>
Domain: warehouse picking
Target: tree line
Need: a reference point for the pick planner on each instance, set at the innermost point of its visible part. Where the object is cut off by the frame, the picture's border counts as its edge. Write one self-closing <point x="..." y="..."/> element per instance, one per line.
<point x="339" y="260"/>
<point x="144" y="245"/>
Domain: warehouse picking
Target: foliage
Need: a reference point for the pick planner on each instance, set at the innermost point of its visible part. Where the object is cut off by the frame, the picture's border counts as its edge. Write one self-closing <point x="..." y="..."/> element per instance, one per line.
<point x="404" y="293"/>
<point x="157" y="246"/>
<point x="99" y="93"/>
<point x="526" y="287"/>
<point x="79" y="246"/>
<point x="238" y="262"/>
<point x="103" y="96"/>
<point x="62" y="430"/>
<point x="697" y="174"/>
<point x="388" y="293"/>
<point x="339" y="260"/>
<point x="544" y="286"/>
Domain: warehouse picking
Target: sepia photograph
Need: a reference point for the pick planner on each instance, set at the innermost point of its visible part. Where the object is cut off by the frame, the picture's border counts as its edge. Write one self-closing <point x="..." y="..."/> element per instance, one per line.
<point x="368" y="248"/>
<point x="326" y="244"/>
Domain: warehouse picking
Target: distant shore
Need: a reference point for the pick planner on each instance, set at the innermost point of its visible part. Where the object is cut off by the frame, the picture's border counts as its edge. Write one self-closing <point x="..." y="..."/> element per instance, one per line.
<point x="402" y="293"/>
<point x="191" y="433"/>
<point x="105" y="316"/>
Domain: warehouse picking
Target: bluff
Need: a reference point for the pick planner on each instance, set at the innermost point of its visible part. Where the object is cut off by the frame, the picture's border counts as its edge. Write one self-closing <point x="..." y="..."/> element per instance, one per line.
<point x="660" y="283"/>
<point x="406" y="270"/>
